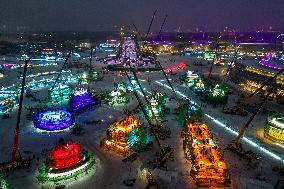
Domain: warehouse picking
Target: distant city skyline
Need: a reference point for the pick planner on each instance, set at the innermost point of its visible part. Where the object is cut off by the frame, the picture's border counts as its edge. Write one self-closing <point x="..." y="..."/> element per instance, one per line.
<point x="108" y="15"/>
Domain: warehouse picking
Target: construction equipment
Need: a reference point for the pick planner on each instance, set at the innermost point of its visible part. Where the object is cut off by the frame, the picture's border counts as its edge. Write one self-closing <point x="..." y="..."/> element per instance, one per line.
<point x="145" y="114"/>
<point x="161" y="28"/>
<point x="231" y="63"/>
<point x="235" y="144"/>
<point x="239" y="108"/>
<point x="141" y="104"/>
<point x="152" y="183"/>
<point x="213" y="61"/>
<point x="62" y="68"/>
<point x="144" y="94"/>
<point x="158" y="63"/>
<point x="149" y="28"/>
<point x="90" y="66"/>
<point x="17" y="161"/>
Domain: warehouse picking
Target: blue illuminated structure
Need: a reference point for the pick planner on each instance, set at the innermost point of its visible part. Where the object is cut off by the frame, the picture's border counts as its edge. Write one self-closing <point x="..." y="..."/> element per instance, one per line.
<point x="81" y="98"/>
<point x="133" y="83"/>
<point x="53" y="120"/>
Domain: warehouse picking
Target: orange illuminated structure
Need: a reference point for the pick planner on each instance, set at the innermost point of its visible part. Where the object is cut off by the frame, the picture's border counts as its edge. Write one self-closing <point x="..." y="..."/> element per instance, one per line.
<point x="116" y="139"/>
<point x="208" y="166"/>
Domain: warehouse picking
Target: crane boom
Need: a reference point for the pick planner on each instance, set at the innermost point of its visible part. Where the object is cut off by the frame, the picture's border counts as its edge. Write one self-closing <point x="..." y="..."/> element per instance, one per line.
<point x="63" y="66"/>
<point x="213" y="61"/>
<point x="162" y="26"/>
<point x="149" y="28"/>
<point x="230" y="66"/>
<point x="17" y="128"/>
<point x="145" y="114"/>
<point x="236" y="142"/>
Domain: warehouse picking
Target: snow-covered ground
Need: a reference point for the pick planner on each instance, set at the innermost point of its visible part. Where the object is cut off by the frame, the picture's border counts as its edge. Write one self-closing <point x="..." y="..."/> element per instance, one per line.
<point x="110" y="171"/>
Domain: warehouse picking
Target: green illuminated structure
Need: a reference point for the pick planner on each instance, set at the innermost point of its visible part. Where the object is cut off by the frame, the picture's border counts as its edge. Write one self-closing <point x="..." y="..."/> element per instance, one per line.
<point x="120" y="87"/>
<point x="4" y="184"/>
<point x="60" y="94"/>
<point x="94" y="76"/>
<point x="209" y="55"/>
<point x="116" y="97"/>
<point x="158" y="104"/>
<point x="200" y="85"/>
<point x="218" y="94"/>
<point x="189" y="78"/>
<point x="190" y="112"/>
<point x="139" y="140"/>
<point x="83" y="79"/>
<point x="8" y="100"/>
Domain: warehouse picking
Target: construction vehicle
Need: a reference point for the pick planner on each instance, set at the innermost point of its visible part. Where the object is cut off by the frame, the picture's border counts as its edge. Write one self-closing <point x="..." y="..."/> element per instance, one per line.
<point x="17" y="161"/>
<point x="235" y="144"/>
<point x="152" y="183"/>
<point x="239" y="108"/>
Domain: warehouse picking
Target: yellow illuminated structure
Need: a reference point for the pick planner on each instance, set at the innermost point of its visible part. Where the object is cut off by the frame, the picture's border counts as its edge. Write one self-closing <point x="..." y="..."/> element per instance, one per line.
<point x="250" y="76"/>
<point x="116" y="139"/>
<point x="208" y="166"/>
<point x="274" y="128"/>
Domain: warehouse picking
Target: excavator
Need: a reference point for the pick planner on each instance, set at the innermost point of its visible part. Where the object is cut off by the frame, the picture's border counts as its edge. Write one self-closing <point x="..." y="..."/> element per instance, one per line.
<point x="239" y="108"/>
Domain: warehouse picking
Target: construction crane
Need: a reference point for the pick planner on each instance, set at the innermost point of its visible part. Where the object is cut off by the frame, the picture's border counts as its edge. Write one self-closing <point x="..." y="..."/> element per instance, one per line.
<point x="231" y="63"/>
<point x="158" y="63"/>
<point x="143" y="93"/>
<point x="162" y="69"/>
<point x="235" y="144"/>
<point x="17" y="161"/>
<point x="152" y="127"/>
<point x="90" y="66"/>
<point x="62" y="68"/>
<point x="145" y="114"/>
<point x="149" y="28"/>
<point x="214" y="58"/>
<point x="239" y="109"/>
<point x="162" y="26"/>
<point x="135" y="75"/>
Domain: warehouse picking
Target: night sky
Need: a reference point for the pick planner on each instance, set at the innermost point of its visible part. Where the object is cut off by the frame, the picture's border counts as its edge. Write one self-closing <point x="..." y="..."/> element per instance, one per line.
<point x="92" y="15"/>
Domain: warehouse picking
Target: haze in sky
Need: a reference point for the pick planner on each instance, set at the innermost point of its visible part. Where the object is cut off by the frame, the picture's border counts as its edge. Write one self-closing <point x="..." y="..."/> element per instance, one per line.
<point x="92" y="15"/>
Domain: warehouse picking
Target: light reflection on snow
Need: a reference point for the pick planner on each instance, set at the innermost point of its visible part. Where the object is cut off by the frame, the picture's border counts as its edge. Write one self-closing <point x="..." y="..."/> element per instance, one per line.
<point x="230" y="130"/>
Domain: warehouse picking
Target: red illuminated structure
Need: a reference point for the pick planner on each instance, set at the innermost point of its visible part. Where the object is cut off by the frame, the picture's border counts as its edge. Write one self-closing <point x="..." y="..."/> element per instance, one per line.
<point x="65" y="156"/>
<point x="65" y="162"/>
<point x="175" y="68"/>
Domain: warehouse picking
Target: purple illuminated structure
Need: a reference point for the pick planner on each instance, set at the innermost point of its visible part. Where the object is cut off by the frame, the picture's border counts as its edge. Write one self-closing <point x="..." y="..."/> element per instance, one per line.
<point x="53" y="120"/>
<point x="265" y="62"/>
<point x="81" y="98"/>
